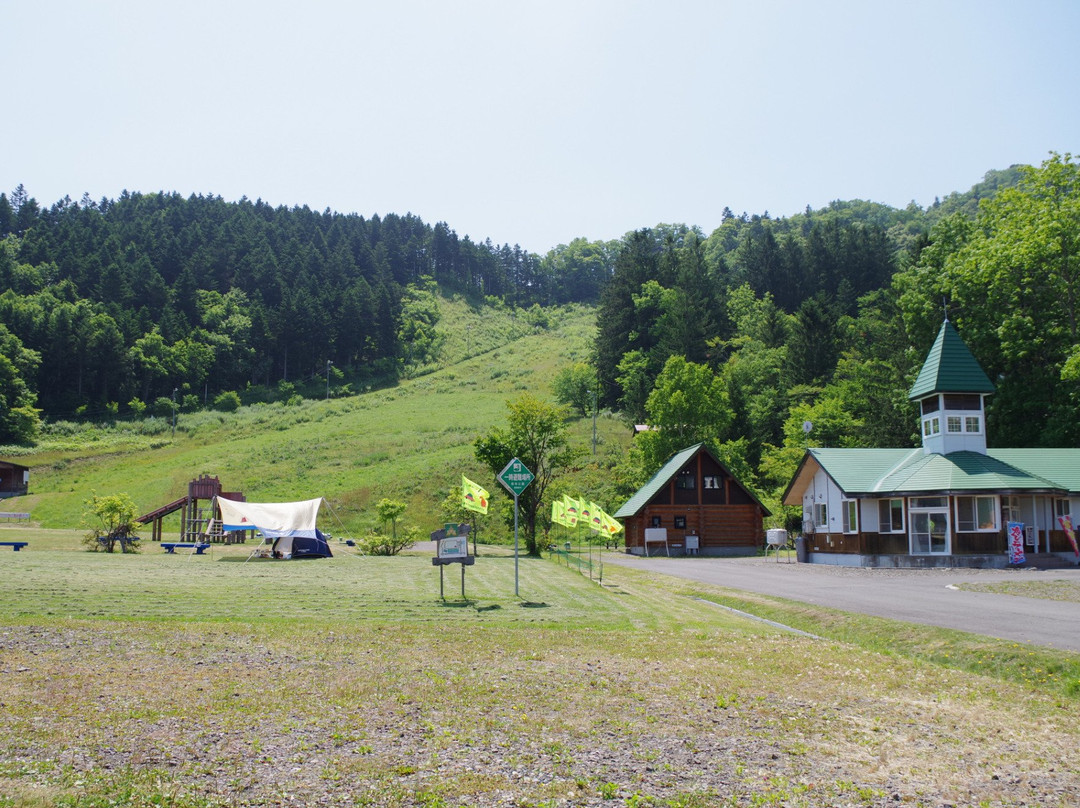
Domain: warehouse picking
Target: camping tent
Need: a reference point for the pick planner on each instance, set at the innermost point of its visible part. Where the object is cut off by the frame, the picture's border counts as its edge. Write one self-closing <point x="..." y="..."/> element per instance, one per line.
<point x="291" y="525"/>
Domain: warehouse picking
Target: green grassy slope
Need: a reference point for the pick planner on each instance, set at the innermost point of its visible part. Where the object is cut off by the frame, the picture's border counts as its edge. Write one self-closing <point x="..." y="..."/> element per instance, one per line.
<point x="411" y="442"/>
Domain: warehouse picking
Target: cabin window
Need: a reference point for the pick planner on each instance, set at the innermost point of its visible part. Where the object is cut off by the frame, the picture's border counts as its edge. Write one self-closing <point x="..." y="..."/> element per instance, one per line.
<point x="891" y="515"/>
<point x="930" y="405"/>
<point x="821" y="515"/>
<point x="680" y="523"/>
<point x="976" y="513"/>
<point x="711" y="482"/>
<point x="655" y="521"/>
<point x="685" y="480"/>
<point x="962" y="401"/>
<point x="929" y="502"/>
<point x="850" y="509"/>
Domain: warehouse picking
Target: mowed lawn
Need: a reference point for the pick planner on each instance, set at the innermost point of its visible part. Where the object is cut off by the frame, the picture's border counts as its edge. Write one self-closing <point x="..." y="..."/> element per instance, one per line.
<point x="177" y="680"/>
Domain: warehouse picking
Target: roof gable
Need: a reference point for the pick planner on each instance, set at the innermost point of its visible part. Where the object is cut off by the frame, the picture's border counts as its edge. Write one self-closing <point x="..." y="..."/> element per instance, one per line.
<point x="950" y="367"/>
<point x="662" y="477"/>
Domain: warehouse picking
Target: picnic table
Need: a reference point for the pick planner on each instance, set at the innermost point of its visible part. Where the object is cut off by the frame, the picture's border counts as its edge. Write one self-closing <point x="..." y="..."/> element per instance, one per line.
<point x="198" y="547"/>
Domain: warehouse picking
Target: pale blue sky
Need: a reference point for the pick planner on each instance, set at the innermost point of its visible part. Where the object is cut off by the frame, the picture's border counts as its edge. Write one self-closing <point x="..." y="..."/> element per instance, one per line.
<point x="535" y="122"/>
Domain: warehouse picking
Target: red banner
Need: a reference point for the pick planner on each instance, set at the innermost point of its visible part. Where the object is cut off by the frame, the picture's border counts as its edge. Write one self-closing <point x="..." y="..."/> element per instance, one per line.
<point x="1016" y="542"/>
<point x="1066" y="525"/>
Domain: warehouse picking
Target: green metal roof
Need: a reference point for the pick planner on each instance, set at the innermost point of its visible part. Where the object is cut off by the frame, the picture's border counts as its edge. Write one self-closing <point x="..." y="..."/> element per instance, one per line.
<point x="672" y="467"/>
<point x="950" y="368"/>
<point x="1060" y="465"/>
<point x="884" y="472"/>
<point x="656" y="482"/>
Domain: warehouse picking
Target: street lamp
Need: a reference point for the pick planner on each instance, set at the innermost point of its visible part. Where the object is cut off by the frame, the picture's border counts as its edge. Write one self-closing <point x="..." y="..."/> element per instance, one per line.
<point x="328" y="364"/>
<point x="174" y="413"/>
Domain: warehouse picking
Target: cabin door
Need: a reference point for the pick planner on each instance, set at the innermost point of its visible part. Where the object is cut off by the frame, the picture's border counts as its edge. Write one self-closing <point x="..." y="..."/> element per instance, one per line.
<point x="930" y="530"/>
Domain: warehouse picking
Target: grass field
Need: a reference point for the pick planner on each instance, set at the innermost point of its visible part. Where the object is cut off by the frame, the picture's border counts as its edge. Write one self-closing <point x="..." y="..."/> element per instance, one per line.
<point x="156" y="679"/>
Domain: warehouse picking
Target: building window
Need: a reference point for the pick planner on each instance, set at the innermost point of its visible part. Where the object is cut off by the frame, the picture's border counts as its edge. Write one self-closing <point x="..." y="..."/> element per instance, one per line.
<point x="850" y="508"/>
<point x="821" y="515"/>
<point x="953" y="423"/>
<point x="1062" y="507"/>
<point x="972" y="424"/>
<point x="680" y="523"/>
<point x="931" y="426"/>
<point x="976" y="513"/>
<point x="685" y="480"/>
<point x="711" y="482"/>
<point x="655" y="521"/>
<point x="963" y="401"/>
<point x="891" y="515"/>
<point x="930" y="405"/>
<point x="1010" y="509"/>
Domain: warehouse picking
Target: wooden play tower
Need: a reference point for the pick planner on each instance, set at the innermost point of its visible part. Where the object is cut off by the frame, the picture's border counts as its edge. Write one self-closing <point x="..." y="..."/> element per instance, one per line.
<point x="199" y="519"/>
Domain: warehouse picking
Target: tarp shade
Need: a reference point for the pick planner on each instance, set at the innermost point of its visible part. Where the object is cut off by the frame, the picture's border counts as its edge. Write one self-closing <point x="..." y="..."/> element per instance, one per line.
<point x="273" y="519"/>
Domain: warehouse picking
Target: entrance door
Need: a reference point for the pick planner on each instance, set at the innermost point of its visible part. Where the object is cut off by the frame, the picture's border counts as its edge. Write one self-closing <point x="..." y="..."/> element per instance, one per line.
<point x="930" y="532"/>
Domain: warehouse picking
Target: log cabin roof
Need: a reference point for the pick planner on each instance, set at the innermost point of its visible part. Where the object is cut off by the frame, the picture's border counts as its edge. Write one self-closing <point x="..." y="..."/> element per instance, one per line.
<point x="673" y="466"/>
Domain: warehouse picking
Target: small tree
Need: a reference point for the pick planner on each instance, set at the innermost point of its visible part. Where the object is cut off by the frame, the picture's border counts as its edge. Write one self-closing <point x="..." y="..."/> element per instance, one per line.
<point x="536" y="435"/>
<point x="390" y="510"/>
<point x="575" y="387"/>
<point x="115" y="518"/>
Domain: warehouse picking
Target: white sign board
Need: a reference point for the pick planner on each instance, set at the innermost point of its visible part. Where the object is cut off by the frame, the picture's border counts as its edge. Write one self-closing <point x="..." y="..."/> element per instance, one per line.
<point x="454" y="547"/>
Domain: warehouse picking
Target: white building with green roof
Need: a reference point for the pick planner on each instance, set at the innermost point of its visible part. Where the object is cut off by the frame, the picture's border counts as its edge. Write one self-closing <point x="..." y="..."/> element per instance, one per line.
<point x="947" y="503"/>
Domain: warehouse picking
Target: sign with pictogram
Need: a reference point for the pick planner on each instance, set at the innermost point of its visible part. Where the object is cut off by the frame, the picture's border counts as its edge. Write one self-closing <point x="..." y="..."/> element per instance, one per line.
<point x="516" y="477"/>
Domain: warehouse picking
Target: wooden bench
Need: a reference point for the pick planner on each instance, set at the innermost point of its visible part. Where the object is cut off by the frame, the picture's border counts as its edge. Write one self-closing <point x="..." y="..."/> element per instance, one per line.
<point x="199" y="548"/>
<point x="18" y="517"/>
<point x="15" y="545"/>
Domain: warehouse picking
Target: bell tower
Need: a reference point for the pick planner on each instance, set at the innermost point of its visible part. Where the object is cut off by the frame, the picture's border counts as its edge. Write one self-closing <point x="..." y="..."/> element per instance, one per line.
<point x="951" y="390"/>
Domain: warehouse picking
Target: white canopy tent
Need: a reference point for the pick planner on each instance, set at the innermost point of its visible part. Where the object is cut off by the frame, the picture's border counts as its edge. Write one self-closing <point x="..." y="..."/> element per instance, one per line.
<point x="291" y="525"/>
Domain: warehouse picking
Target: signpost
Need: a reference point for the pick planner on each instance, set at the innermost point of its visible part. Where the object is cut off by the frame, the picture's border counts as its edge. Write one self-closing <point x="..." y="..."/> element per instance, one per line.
<point x="515" y="478"/>
<point x="452" y="547"/>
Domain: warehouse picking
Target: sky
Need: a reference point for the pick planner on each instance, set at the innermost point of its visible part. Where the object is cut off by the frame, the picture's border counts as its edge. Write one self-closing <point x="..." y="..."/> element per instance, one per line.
<point x="535" y="123"/>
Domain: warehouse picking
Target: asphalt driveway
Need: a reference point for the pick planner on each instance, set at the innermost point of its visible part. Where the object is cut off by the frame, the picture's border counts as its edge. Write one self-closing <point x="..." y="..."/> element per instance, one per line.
<point x="916" y="596"/>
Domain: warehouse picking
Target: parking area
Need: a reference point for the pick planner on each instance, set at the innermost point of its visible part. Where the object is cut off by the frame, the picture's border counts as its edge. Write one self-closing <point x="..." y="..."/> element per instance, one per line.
<point x="929" y="597"/>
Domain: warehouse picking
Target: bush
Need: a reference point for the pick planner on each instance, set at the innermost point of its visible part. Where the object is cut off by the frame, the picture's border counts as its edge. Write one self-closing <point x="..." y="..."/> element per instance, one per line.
<point x="378" y="543"/>
<point x="115" y="524"/>
<point x="229" y="401"/>
<point x="162" y="407"/>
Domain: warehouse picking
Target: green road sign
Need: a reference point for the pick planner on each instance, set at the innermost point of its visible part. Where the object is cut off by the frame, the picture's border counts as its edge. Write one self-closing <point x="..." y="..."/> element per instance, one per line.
<point x="516" y="477"/>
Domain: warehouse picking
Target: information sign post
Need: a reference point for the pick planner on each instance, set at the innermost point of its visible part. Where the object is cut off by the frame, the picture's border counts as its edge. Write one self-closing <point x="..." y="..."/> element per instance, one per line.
<point x="452" y="547"/>
<point x="515" y="478"/>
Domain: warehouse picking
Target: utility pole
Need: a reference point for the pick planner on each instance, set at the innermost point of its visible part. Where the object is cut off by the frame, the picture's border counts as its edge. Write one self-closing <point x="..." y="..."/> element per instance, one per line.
<point x="595" y="405"/>
<point x="174" y="413"/>
<point x="328" y="364"/>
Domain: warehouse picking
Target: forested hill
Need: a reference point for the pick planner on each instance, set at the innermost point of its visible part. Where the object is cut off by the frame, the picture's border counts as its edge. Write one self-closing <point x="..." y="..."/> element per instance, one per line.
<point x="110" y="307"/>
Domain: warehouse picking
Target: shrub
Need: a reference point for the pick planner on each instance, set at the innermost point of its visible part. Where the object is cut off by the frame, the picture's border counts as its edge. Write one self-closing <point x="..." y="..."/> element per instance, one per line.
<point x="162" y="407"/>
<point x="378" y="543"/>
<point x="229" y="401"/>
<point x="115" y="523"/>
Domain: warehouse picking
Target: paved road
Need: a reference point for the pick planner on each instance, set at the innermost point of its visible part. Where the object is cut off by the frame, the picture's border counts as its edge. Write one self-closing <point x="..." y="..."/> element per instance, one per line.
<point x="916" y="596"/>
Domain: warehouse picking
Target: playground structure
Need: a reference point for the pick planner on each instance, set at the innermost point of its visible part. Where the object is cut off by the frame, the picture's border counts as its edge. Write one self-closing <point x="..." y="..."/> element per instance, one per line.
<point x="200" y="520"/>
